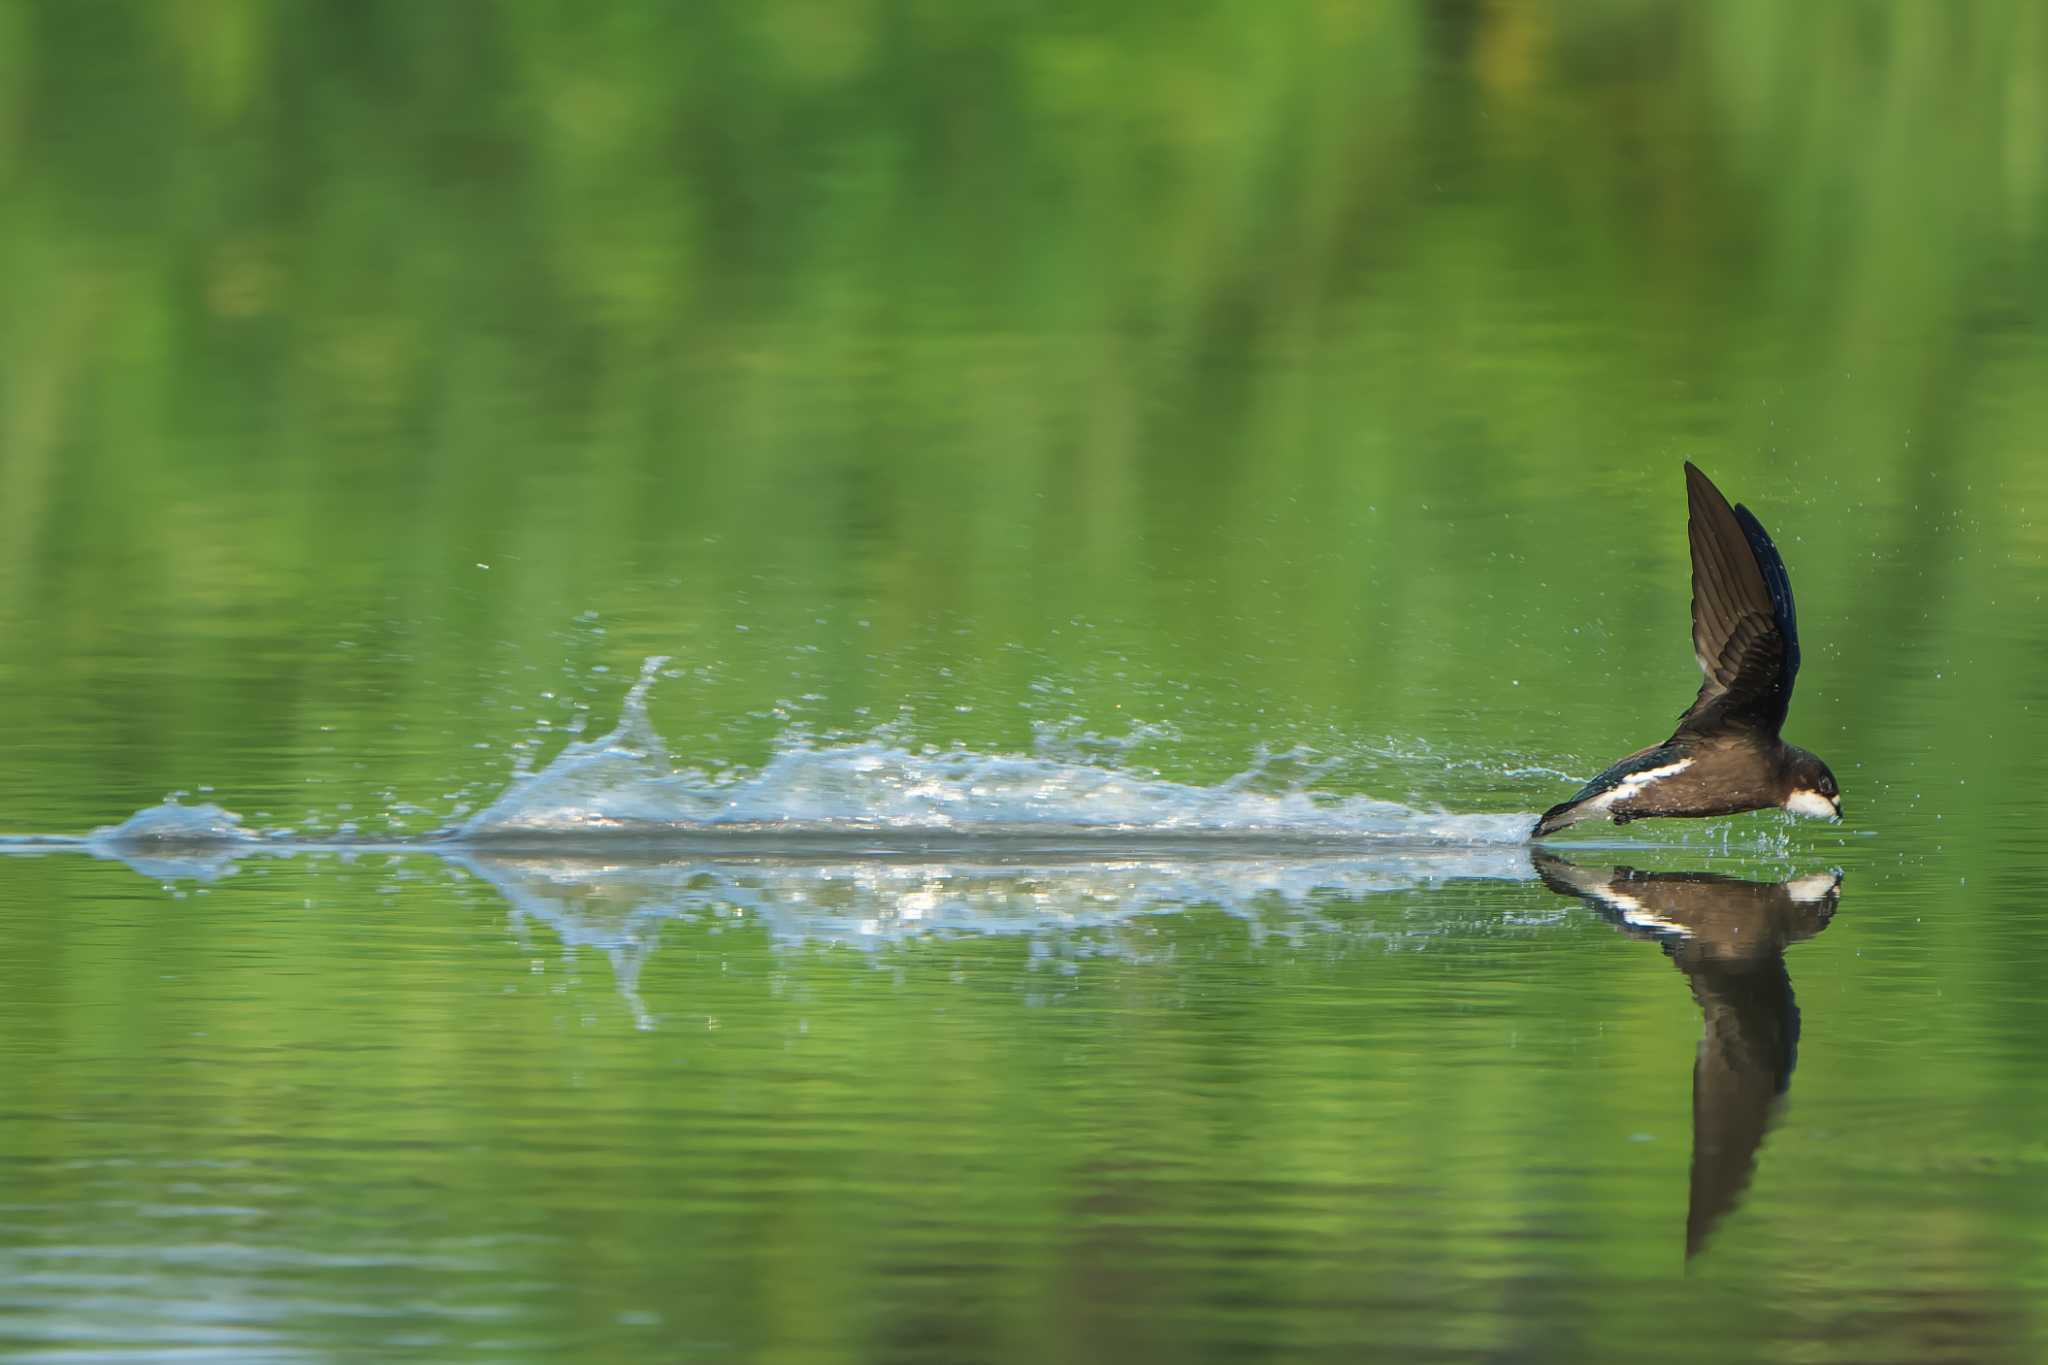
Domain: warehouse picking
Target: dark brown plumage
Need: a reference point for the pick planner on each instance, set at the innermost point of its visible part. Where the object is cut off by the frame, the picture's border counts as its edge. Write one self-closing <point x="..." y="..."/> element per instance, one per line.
<point x="1726" y="755"/>
<point x="1729" y="937"/>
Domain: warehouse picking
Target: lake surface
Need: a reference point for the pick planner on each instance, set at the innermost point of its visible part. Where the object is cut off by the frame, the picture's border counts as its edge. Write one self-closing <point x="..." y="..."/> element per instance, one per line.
<point x="812" y="683"/>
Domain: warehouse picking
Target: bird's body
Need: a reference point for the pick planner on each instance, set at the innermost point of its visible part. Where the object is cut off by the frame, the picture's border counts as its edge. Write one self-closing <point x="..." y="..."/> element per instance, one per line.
<point x="1726" y="755"/>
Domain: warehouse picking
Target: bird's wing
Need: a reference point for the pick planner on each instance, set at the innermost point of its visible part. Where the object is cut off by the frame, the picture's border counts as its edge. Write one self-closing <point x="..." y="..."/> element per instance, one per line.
<point x="1641" y="768"/>
<point x="1744" y="631"/>
<point x="1749" y="1043"/>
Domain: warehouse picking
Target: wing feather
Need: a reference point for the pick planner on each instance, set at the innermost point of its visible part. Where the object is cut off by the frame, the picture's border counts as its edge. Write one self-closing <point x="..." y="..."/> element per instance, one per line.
<point x="1744" y="631"/>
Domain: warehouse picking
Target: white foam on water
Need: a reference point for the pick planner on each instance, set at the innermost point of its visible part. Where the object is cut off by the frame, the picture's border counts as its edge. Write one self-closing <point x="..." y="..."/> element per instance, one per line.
<point x="171" y="823"/>
<point x="172" y="841"/>
<point x="625" y="782"/>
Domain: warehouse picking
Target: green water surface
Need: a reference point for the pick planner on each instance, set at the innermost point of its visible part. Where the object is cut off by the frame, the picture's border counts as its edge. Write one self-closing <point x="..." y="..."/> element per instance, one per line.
<point x="1290" y="389"/>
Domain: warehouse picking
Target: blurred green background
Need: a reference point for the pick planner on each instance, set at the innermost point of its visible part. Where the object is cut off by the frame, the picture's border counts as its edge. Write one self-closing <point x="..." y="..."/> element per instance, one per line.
<point x="1317" y="370"/>
<point x="381" y="382"/>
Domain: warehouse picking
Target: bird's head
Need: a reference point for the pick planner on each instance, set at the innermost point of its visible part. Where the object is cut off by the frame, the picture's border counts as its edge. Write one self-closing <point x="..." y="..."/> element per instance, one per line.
<point x="1810" y="788"/>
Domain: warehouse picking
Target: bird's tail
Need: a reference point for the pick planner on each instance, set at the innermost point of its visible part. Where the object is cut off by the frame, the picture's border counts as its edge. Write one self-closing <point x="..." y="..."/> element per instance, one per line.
<point x="1560" y="816"/>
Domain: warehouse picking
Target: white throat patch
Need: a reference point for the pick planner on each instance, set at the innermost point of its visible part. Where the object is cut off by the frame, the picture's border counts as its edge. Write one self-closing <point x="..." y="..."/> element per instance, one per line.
<point x="1812" y="805"/>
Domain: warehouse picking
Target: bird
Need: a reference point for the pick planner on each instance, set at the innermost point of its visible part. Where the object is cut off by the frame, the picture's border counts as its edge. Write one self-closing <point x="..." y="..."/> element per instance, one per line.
<point x="1726" y="755"/>
<point x="1728" y="935"/>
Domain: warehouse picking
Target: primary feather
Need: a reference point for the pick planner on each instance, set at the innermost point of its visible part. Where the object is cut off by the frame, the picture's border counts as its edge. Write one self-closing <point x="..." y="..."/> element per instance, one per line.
<point x="1744" y="629"/>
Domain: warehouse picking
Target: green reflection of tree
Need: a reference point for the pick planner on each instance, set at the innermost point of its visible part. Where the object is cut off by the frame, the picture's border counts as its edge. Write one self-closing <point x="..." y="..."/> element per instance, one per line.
<point x="1254" y="329"/>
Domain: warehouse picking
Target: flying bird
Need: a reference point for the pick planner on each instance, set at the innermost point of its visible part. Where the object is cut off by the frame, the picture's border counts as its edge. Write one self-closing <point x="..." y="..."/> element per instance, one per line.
<point x="1725" y="756"/>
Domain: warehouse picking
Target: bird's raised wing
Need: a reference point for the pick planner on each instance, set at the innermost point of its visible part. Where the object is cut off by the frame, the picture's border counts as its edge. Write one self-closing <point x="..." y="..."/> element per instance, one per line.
<point x="1744" y="631"/>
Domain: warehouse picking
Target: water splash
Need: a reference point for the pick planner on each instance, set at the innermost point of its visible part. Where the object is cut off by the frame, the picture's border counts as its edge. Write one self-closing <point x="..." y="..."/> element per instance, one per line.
<point x="1076" y="793"/>
<point x="173" y="825"/>
<point x="624" y="783"/>
<point x="171" y="842"/>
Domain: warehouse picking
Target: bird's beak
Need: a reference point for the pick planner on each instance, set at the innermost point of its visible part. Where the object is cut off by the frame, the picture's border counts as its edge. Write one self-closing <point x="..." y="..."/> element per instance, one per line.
<point x="1838" y="810"/>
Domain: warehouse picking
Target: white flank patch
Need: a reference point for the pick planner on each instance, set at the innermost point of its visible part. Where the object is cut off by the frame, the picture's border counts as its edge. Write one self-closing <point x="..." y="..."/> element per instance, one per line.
<point x="1635" y="912"/>
<point x="1812" y="805"/>
<point x="1813" y="887"/>
<point x="1634" y="783"/>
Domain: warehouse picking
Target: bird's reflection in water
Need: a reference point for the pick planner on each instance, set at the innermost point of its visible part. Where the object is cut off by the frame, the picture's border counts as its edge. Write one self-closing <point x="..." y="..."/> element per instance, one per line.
<point x="1729" y="938"/>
